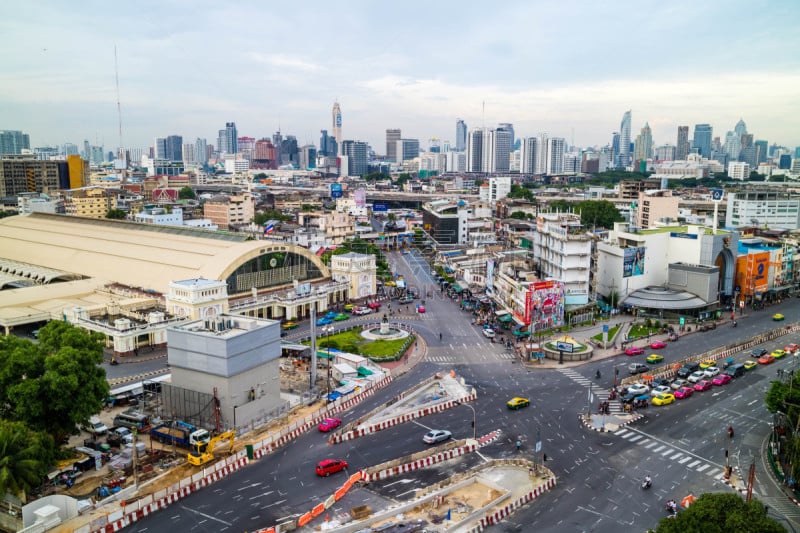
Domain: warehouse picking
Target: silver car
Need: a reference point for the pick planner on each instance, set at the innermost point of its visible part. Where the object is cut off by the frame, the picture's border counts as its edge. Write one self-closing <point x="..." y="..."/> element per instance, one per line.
<point x="436" y="435"/>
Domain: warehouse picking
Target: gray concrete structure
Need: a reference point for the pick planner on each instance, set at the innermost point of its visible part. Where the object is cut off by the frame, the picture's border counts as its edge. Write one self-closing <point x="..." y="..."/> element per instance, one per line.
<point x="239" y="357"/>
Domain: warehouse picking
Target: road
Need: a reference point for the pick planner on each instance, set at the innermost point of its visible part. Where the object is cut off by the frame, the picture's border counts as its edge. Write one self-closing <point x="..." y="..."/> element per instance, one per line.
<point x="682" y="446"/>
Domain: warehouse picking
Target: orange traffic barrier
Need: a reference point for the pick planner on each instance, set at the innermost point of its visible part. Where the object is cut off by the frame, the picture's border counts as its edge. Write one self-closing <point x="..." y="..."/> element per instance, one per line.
<point x="304" y="519"/>
<point x="339" y="494"/>
<point x="355" y="478"/>
<point x="318" y="510"/>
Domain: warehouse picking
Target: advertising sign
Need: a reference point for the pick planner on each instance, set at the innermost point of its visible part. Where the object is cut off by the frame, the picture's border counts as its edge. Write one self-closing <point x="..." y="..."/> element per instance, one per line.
<point x="360" y="197"/>
<point x="379" y="208"/>
<point x="545" y="305"/>
<point x="490" y="275"/>
<point x="564" y="346"/>
<point x="336" y="190"/>
<point x="633" y="262"/>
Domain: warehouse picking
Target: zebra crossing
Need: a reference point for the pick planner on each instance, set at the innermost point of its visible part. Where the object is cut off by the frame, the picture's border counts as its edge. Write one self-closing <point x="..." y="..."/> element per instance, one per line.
<point x="452" y="359"/>
<point x="667" y="452"/>
<point x="597" y="394"/>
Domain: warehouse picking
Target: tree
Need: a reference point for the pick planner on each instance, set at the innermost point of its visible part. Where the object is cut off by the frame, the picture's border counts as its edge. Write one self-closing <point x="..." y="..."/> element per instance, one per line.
<point x="721" y="512"/>
<point x="598" y="213"/>
<point x="518" y="191"/>
<point x="186" y="193"/>
<point x="519" y="215"/>
<point x="755" y="176"/>
<point x="270" y="214"/>
<point x="25" y="458"/>
<point x="117" y="214"/>
<point x="54" y="385"/>
<point x="402" y="179"/>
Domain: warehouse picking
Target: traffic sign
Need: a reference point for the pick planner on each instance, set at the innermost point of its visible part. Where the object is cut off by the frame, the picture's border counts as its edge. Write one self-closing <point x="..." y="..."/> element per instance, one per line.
<point x="564" y="347"/>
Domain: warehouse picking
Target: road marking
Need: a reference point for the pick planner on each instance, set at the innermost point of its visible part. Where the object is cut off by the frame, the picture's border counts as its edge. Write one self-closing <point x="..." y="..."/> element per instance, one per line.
<point x="657" y="449"/>
<point x="404" y="481"/>
<point x="262" y="495"/>
<point x="274" y="503"/>
<point x="687" y="452"/>
<point x="210" y="517"/>
<point x="754" y="401"/>
<point x="713" y="472"/>
<point x="676" y="456"/>
<point x="621" y="432"/>
<point x="634" y="439"/>
<point x="684" y="460"/>
<point x="693" y="464"/>
<point x="702" y="467"/>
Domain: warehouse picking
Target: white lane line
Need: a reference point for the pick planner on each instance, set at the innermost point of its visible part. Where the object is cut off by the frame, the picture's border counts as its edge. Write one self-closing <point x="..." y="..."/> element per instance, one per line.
<point x="634" y="439"/>
<point x="702" y="467"/>
<point x="714" y="471"/>
<point x="659" y="448"/>
<point x="676" y="456"/>
<point x="667" y="452"/>
<point x="693" y="464"/>
<point x="206" y="515"/>
<point x="621" y="432"/>
<point x="684" y="460"/>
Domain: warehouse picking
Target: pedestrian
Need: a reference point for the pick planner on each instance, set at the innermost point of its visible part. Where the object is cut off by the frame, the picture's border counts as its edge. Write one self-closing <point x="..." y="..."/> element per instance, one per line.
<point x="544" y="457"/>
<point x="519" y="445"/>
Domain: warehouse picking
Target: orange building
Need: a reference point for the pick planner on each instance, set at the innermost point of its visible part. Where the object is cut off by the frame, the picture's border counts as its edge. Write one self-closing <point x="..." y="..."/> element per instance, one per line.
<point x="756" y="272"/>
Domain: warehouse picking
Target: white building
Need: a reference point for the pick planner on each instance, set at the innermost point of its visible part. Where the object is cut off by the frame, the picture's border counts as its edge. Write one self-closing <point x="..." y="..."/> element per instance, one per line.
<point x="555" y="155"/>
<point x="455" y="162"/>
<point x="235" y="164"/>
<point x="564" y="251"/>
<point x="774" y="210"/>
<point x="433" y="162"/>
<point x="739" y="171"/>
<point x="358" y="270"/>
<point x="497" y="189"/>
<point x="161" y="216"/>
<point x="34" y="202"/>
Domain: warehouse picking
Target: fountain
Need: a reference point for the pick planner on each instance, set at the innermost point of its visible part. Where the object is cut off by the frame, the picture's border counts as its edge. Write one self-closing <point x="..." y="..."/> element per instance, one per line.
<point x="384" y="332"/>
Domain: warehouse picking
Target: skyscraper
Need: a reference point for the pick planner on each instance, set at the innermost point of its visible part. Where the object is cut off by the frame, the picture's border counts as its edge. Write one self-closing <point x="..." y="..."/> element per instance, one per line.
<point x="499" y="150"/>
<point x="624" y="158"/>
<point x="160" y="148"/>
<point x="733" y="145"/>
<point x="336" y="115"/>
<point x="461" y="135"/>
<point x="477" y="150"/>
<point x="748" y="151"/>
<point x="407" y="149"/>
<point x="507" y="126"/>
<point x="644" y="144"/>
<point x="761" y="151"/>
<point x="200" y="151"/>
<point x="740" y="128"/>
<point x="227" y="139"/>
<point x="174" y="148"/>
<point x="555" y="155"/>
<point x="682" y="146"/>
<point x="356" y="152"/>
<point x="530" y="150"/>
<point x="13" y="142"/>
<point x="702" y="139"/>
<point x="392" y="136"/>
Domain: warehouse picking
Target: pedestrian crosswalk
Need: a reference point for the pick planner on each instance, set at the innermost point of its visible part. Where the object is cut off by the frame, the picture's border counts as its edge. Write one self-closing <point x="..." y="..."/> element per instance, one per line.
<point x="452" y="359"/>
<point x="598" y="395"/>
<point x="670" y="453"/>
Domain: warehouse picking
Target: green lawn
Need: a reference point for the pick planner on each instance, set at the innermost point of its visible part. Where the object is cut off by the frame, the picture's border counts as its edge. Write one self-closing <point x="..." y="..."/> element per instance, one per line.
<point x="640" y="330"/>
<point x="611" y="332"/>
<point x="351" y="341"/>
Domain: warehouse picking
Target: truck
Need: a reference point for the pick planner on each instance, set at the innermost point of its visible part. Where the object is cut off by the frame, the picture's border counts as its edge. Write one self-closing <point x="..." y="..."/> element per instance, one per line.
<point x="119" y="436"/>
<point x="180" y="434"/>
<point x="205" y="452"/>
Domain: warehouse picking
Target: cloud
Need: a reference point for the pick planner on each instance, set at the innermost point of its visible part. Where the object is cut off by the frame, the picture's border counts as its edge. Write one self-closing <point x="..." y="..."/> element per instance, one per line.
<point x="283" y="61"/>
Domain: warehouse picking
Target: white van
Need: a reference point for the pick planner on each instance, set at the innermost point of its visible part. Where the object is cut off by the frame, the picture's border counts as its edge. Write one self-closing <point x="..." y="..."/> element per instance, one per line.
<point x="96" y="427"/>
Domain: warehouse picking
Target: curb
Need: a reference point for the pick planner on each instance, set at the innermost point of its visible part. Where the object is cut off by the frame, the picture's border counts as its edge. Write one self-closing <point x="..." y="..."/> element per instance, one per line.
<point x="582" y="420"/>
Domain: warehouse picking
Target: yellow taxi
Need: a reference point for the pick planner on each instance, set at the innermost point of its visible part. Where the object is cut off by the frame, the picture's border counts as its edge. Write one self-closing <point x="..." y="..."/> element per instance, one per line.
<point x="777" y="354"/>
<point x="777" y="317"/>
<point x="665" y="398"/>
<point x="518" y="403"/>
<point x="707" y="363"/>
<point x="750" y="365"/>
<point x="654" y="358"/>
<point x="289" y="325"/>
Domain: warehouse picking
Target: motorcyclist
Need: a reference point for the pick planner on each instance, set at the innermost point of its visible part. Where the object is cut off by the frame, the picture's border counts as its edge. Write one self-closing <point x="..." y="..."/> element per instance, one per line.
<point x="598" y="374"/>
<point x="647" y="482"/>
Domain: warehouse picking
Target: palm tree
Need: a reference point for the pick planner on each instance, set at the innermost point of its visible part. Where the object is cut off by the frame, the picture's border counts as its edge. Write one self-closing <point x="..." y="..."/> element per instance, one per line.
<point x="24" y="458"/>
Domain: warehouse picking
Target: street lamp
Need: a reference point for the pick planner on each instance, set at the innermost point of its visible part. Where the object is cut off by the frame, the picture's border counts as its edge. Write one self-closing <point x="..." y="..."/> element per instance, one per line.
<point x="474" y="428"/>
<point x="234" y="417"/>
<point x="328" y="330"/>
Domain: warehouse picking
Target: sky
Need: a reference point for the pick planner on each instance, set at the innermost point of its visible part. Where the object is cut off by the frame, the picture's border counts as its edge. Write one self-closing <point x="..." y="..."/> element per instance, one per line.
<point x="569" y="68"/>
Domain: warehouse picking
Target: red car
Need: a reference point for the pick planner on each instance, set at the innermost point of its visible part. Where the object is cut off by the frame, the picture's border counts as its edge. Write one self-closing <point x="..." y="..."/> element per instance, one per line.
<point x="766" y="359"/>
<point x="721" y="379"/>
<point x="791" y="348"/>
<point x="633" y="350"/>
<point x="327" y="467"/>
<point x="684" y="392"/>
<point x="329" y="424"/>
<point x="702" y="385"/>
<point x="657" y="345"/>
<point x="374" y="305"/>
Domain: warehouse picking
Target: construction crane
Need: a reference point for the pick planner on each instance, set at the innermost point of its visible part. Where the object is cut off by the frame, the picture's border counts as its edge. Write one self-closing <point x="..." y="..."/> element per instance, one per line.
<point x="205" y="452"/>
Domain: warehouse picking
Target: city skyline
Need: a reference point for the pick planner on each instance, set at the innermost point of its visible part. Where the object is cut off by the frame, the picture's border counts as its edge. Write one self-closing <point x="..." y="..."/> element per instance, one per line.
<point x="189" y="73"/>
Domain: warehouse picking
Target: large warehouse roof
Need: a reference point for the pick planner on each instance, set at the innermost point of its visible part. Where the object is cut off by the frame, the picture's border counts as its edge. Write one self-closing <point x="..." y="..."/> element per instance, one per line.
<point x="138" y="255"/>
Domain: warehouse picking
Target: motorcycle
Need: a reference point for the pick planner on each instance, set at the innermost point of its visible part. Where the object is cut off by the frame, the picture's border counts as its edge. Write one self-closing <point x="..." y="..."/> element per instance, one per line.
<point x="646" y="484"/>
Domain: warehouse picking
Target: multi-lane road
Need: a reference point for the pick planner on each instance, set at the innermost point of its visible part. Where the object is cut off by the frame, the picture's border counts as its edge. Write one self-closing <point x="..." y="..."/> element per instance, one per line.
<point x="681" y="446"/>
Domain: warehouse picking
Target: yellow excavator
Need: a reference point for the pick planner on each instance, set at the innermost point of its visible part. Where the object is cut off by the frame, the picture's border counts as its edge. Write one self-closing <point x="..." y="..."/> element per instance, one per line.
<point x="205" y="452"/>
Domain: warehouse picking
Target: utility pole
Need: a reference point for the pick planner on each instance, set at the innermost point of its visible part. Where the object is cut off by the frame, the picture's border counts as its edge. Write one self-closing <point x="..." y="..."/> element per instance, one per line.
<point x="751" y="479"/>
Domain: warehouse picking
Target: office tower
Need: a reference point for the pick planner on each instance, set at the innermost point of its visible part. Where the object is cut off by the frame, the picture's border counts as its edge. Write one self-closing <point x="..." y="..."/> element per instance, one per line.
<point x="308" y="157"/>
<point x="748" y="152"/>
<point x="555" y="155"/>
<point x="614" y="148"/>
<point x="14" y="141"/>
<point x="785" y="162"/>
<point x="542" y="154"/>
<point x="682" y="144"/>
<point x="761" y="152"/>
<point x="264" y="155"/>
<point x="478" y="150"/>
<point x="434" y="145"/>
<point x="188" y="155"/>
<point x="499" y="150"/>
<point x="507" y="126"/>
<point x="733" y="145"/>
<point x="289" y="151"/>
<point x="200" y="151"/>
<point x="174" y="148"/>
<point x="407" y="149"/>
<point x="740" y="128"/>
<point x="69" y="149"/>
<point x="160" y="148"/>
<point x="227" y="139"/>
<point x="665" y="153"/>
<point x="392" y="136"/>
<point x="624" y="158"/>
<point x="461" y="135"/>
<point x="336" y="115"/>
<point x="530" y="151"/>
<point x="797" y="152"/>
<point x="446" y="146"/>
<point x="644" y="144"/>
<point x="356" y="152"/>
<point x="702" y="139"/>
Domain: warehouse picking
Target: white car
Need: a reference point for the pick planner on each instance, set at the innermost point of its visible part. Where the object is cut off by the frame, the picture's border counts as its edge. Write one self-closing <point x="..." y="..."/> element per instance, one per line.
<point x="638" y="388"/>
<point x="362" y="311"/>
<point x="678" y="383"/>
<point x="699" y="375"/>
<point x="711" y="371"/>
<point x="436" y="435"/>
<point x="488" y="333"/>
<point x="661" y="389"/>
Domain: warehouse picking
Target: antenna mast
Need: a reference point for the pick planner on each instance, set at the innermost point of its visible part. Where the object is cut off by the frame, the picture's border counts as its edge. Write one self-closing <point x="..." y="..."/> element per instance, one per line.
<point x="121" y="150"/>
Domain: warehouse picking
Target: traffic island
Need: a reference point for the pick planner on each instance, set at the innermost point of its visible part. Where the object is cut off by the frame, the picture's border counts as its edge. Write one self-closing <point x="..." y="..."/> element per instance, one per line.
<point x="607" y="423"/>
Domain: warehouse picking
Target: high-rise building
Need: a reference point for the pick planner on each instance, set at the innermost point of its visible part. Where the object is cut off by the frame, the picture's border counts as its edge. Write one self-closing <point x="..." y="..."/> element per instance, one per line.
<point x="308" y="157"/>
<point x="174" y="148"/>
<point x="227" y="139"/>
<point x="407" y="149"/>
<point x="160" y="148"/>
<point x="392" y="136"/>
<point x="761" y="151"/>
<point x="614" y="148"/>
<point x="624" y="158"/>
<point x="499" y="150"/>
<point x="644" y="144"/>
<point x="682" y="145"/>
<point x="748" y="151"/>
<point x="200" y="151"/>
<point x="356" y="153"/>
<point x="336" y="115"/>
<point x="733" y="145"/>
<point x="665" y="153"/>
<point x="530" y="151"/>
<point x="740" y="128"/>
<point x="327" y="145"/>
<point x="701" y="141"/>
<point x="507" y="126"/>
<point x="188" y="155"/>
<point x="542" y="154"/>
<point x="478" y="150"/>
<point x="435" y="145"/>
<point x="461" y="135"/>
<point x="290" y="151"/>
<point x="264" y="155"/>
<point x="555" y="155"/>
<point x="14" y="141"/>
<point x="24" y="173"/>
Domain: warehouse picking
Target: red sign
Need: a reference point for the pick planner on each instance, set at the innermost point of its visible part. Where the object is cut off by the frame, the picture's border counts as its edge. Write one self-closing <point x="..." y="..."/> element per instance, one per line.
<point x="539" y="285"/>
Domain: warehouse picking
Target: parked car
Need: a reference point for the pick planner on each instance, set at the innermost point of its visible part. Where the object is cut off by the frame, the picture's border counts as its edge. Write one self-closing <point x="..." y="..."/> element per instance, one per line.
<point x="341" y="316"/>
<point x="684" y="392"/>
<point x="749" y="364"/>
<point x="96" y="427"/>
<point x="374" y="305"/>
<point x="702" y="385"/>
<point x="436" y="435"/>
<point x="638" y="388"/>
<point x="634" y="350"/>
<point x="687" y="369"/>
<point x="661" y="389"/>
<point x="777" y="354"/>
<point x="722" y="379"/>
<point x="711" y="371"/>
<point x="777" y="317"/>
<point x="791" y="348"/>
<point x="665" y="398"/>
<point x="329" y="423"/>
<point x="758" y="352"/>
<point x="708" y="326"/>
<point x="766" y="359"/>
<point x="361" y="310"/>
<point x="707" y="363"/>
<point x="637" y="368"/>
<point x="488" y="333"/>
<point x="678" y="383"/>
<point x="658" y="345"/>
<point x="326" y="467"/>
<point x="289" y="325"/>
<point x="696" y="376"/>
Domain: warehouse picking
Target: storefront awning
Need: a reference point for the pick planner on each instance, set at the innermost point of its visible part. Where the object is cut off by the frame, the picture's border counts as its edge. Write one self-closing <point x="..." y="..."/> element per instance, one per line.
<point x="458" y="288"/>
<point x="505" y="318"/>
<point x="502" y="312"/>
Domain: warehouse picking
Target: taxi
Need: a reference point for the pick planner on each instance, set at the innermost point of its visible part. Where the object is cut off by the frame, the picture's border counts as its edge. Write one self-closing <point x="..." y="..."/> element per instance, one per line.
<point x="750" y="364"/>
<point x="777" y="317"/>
<point x="348" y="307"/>
<point x="665" y="398"/>
<point x="518" y="403"/>
<point x="654" y="358"/>
<point x="777" y="354"/>
<point x="289" y="325"/>
<point x="707" y="363"/>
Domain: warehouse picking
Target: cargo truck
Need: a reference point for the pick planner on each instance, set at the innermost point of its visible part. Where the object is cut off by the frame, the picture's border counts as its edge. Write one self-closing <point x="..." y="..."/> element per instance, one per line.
<point x="180" y="434"/>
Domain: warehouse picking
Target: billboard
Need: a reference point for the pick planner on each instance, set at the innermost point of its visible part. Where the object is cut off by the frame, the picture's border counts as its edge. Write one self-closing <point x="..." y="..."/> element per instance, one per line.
<point x="544" y="304"/>
<point x="633" y="262"/>
<point x="336" y="190"/>
<point x="360" y="197"/>
<point x="490" y="275"/>
<point x="379" y="208"/>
